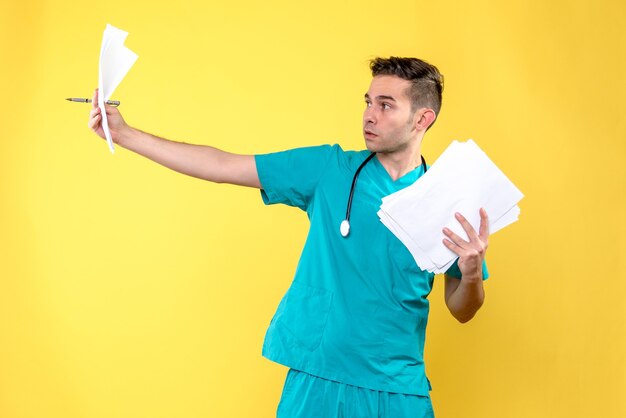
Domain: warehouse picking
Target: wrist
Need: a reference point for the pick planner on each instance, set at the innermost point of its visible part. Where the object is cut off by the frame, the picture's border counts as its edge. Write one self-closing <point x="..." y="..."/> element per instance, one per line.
<point x="470" y="278"/>
<point x="125" y="136"/>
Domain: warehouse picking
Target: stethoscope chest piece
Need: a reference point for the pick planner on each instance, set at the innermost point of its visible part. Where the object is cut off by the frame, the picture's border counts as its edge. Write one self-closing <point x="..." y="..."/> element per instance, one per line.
<point x="344" y="228"/>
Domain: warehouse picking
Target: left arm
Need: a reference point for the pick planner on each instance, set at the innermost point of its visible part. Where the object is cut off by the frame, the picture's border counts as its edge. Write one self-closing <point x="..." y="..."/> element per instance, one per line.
<point x="464" y="297"/>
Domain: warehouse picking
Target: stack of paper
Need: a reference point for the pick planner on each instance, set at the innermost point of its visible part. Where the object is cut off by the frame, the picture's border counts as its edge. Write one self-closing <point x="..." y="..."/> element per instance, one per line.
<point x="462" y="180"/>
<point x="115" y="61"/>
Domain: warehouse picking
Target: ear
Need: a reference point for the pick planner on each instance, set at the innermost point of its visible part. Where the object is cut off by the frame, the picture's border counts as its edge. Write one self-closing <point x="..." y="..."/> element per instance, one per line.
<point x="424" y="117"/>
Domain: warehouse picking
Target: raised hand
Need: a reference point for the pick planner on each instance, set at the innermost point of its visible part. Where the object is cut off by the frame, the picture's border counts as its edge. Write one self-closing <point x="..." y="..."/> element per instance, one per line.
<point x="117" y="125"/>
<point x="471" y="253"/>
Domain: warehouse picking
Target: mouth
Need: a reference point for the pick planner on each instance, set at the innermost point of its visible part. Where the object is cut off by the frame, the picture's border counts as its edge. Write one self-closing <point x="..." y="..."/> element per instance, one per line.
<point x="369" y="134"/>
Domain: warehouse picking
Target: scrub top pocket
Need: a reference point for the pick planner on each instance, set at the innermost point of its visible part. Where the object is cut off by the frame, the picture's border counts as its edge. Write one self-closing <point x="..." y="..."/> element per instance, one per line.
<point x="303" y="312"/>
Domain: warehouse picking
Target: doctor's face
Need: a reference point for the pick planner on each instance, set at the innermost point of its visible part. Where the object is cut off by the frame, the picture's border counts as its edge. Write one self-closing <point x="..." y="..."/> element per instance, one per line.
<point x="388" y="121"/>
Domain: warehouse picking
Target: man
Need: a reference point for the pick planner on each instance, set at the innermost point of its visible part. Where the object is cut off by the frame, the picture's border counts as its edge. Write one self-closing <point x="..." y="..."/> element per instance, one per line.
<point x="351" y="326"/>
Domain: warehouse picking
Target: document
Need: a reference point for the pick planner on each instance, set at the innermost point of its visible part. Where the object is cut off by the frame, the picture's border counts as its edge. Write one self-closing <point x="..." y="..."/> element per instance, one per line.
<point x="463" y="179"/>
<point x="115" y="62"/>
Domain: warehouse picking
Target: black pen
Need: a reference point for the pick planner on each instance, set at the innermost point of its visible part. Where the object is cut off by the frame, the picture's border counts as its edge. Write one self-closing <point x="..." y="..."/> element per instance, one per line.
<point x="80" y="100"/>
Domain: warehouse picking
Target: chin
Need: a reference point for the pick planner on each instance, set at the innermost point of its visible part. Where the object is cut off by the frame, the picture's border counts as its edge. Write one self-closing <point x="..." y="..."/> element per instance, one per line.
<point x="375" y="148"/>
<point x="372" y="146"/>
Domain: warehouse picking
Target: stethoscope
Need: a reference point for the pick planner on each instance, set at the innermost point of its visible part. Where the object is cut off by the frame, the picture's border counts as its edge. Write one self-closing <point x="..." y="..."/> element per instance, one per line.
<point x="344" y="228"/>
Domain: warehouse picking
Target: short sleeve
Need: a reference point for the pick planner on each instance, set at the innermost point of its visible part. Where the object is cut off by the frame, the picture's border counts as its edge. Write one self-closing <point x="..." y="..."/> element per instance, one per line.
<point x="455" y="272"/>
<point x="291" y="177"/>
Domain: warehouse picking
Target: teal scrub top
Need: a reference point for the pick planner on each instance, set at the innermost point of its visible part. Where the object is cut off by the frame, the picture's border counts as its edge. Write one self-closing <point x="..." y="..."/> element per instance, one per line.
<point x="357" y="308"/>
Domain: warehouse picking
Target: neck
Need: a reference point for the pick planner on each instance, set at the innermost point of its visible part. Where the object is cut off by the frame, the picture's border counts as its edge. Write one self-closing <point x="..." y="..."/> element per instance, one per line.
<point x="398" y="163"/>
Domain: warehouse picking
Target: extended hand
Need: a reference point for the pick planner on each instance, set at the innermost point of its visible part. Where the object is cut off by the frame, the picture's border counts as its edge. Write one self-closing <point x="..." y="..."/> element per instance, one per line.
<point x="117" y="125"/>
<point x="471" y="253"/>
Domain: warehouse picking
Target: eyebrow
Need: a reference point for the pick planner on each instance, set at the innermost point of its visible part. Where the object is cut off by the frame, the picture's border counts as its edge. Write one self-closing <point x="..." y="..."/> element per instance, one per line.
<point x="381" y="97"/>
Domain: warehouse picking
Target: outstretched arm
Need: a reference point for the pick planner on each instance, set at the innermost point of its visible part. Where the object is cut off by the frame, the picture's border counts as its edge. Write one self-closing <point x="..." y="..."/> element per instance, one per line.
<point x="465" y="297"/>
<point x="199" y="161"/>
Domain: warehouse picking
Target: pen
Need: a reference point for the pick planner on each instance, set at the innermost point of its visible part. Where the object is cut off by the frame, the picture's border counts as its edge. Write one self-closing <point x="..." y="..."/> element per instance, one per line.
<point x="76" y="99"/>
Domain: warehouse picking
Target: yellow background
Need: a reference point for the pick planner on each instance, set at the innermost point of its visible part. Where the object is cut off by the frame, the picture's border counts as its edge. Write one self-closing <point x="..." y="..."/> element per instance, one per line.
<point x="130" y="291"/>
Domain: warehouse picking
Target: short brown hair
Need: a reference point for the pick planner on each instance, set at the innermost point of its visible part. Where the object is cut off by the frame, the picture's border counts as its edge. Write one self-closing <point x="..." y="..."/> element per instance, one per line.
<point x="426" y="80"/>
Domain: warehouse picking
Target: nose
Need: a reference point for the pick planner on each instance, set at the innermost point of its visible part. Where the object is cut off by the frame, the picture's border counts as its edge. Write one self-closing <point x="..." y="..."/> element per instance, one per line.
<point x="369" y="115"/>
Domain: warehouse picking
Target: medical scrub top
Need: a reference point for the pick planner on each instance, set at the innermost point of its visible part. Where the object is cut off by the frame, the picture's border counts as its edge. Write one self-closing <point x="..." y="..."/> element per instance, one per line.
<point x="357" y="308"/>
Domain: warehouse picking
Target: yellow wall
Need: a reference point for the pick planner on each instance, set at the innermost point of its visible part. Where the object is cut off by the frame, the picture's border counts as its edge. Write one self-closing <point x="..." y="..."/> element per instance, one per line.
<point x="129" y="291"/>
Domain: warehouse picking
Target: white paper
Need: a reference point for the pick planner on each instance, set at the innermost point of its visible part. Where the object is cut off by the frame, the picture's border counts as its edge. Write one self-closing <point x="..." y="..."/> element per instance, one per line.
<point x="115" y="62"/>
<point x="462" y="180"/>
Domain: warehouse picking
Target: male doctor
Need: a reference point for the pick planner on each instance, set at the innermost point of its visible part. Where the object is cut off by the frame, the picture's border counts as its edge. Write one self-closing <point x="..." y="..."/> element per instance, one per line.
<point x="351" y="327"/>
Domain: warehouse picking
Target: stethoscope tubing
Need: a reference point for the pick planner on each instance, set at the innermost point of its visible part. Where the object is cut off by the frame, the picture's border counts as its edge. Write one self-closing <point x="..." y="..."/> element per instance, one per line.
<point x="344" y="228"/>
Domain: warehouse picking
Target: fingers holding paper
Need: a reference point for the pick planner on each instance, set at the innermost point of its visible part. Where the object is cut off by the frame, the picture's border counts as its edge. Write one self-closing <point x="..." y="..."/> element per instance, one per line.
<point x="115" y="120"/>
<point x="95" y="118"/>
<point x="471" y="253"/>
